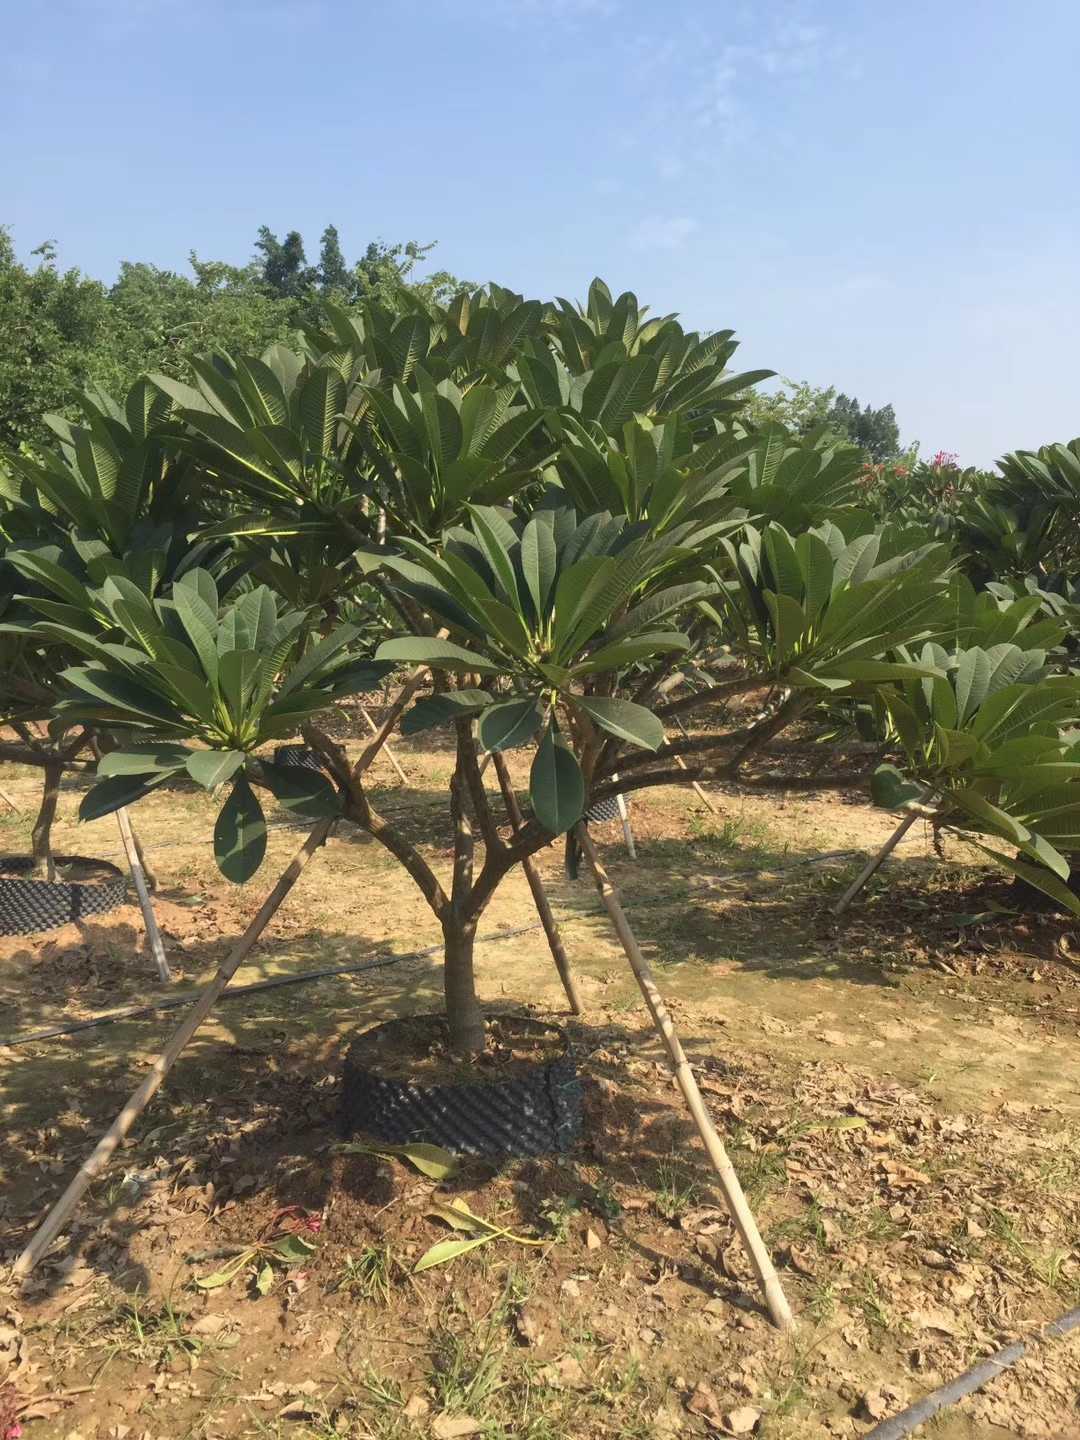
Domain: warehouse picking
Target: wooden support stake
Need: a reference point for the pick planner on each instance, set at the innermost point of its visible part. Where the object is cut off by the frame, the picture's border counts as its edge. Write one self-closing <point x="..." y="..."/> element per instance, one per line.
<point x="624" y="816"/>
<point x="389" y="753"/>
<point x="681" y="763"/>
<point x="539" y="894"/>
<point x="741" y="1214"/>
<point x="875" y="863"/>
<point x="135" y="865"/>
<point x="151" y="877"/>
<point x="99" y="1157"/>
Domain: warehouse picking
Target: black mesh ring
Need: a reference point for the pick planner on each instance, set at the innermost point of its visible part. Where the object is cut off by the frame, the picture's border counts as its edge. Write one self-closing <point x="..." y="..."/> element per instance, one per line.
<point x="28" y="905"/>
<point x="604" y="810"/>
<point x="298" y="757"/>
<point x="535" y="1111"/>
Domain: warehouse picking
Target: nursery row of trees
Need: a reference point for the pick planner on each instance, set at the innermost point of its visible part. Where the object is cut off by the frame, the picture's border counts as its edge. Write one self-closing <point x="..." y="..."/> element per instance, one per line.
<point x="561" y="529"/>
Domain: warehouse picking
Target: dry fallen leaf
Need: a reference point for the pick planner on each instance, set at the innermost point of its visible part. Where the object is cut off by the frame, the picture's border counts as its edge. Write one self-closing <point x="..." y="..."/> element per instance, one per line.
<point x="416" y="1407"/>
<point x="874" y="1405"/>
<point x="565" y="1374"/>
<point x="592" y="1239"/>
<point x="741" y="1421"/>
<point x="703" y="1401"/>
<point x="452" y="1427"/>
<point x="934" y="1319"/>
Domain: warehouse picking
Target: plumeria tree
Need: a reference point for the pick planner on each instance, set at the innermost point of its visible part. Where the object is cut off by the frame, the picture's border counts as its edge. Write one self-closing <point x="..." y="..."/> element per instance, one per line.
<point x="558" y="526"/>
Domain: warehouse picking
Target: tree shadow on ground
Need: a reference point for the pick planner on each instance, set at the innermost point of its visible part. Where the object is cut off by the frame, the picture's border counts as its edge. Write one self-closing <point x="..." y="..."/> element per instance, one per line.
<point x="246" y="1131"/>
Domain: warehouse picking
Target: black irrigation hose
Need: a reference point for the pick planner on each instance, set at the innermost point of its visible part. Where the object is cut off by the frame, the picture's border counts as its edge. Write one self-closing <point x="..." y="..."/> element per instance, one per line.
<point x="979" y="1375"/>
<point x="172" y="1002"/>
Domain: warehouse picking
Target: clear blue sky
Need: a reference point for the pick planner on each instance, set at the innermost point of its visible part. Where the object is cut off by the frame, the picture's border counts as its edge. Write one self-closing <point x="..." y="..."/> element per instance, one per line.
<point x="881" y="196"/>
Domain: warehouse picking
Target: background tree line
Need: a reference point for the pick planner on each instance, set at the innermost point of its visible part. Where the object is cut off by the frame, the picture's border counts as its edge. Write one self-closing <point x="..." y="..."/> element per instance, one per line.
<point x="61" y="331"/>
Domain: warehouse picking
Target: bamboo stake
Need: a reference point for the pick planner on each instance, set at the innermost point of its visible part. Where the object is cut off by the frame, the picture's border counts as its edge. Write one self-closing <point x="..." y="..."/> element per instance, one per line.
<point x="99" y="1157"/>
<point x="134" y="860"/>
<point x="151" y="877"/>
<point x="624" y="816"/>
<point x="539" y="894"/>
<point x="389" y="753"/>
<point x="741" y="1214"/>
<point x="681" y="763"/>
<point x="875" y="862"/>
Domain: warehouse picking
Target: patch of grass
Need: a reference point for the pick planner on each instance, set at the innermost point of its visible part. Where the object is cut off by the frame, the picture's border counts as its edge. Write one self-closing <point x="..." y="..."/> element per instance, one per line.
<point x="868" y="1299"/>
<point x="155" y="1334"/>
<point x="809" y="1227"/>
<point x="761" y="1171"/>
<point x="466" y="1369"/>
<point x="1045" y="1265"/>
<point x="1061" y="1171"/>
<point x="603" y="1201"/>
<point x="821" y="1305"/>
<point x="675" y="1190"/>
<point x="371" y="1274"/>
<point x="731" y="833"/>
<point x="557" y="1213"/>
<point x="876" y="1224"/>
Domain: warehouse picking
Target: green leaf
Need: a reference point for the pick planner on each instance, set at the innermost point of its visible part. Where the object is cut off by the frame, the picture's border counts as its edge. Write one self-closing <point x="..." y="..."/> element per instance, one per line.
<point x="447" y="1250"/>
<point x="433" y="710"/>
<point x="302" y="792"/>
<point x="117" y="791"/>
<point x="1035" y="875"/>
<point x="200" y="621"/>
<point x="890" y="790"/>
<point x="430" y="1160"/>
<point x="118" y="692"/>
<point x="999" y="821"/>
<point x="240" y="834"/>
<point x="440" y="654"/>
<point x="624" y="719"/>
<point x="556" y="784"/>
<point x="209" y="768"/>
<point x="539" y="559"/>
<point x="321" y="400"/>
<point x="227" y="1273"/>
<point x="143" y="760"/>
<point x="264" y="1280"/>
<point x="509" y="723"/>
<point x="239" y="670"/>
<point x="293" y="1249"/>
<point x="626" y="652"/>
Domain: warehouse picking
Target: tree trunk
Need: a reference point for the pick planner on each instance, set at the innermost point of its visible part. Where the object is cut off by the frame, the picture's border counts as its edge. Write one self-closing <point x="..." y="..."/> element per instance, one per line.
<point x="41" y="835"/>
<point x="462" y="1008"/>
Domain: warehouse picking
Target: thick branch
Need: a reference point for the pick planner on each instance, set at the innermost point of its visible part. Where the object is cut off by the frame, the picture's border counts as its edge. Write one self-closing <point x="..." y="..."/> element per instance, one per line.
<point x="24" y="755"/>
<point x="767" y="730"/>
<point x="359" y="810"/>
<point x="468" y="767"/>
<point x="726" y="690"/>
<point x="464" y="846"/>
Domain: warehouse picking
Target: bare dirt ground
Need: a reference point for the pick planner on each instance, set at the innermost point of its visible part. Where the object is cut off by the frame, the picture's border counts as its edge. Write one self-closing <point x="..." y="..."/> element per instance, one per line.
<point x="899" y="1090"/>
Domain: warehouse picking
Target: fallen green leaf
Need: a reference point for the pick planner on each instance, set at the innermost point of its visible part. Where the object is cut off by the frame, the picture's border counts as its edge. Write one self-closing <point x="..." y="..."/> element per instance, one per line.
<point x="447" y="1250"/>
<point x="430" y="1160"/>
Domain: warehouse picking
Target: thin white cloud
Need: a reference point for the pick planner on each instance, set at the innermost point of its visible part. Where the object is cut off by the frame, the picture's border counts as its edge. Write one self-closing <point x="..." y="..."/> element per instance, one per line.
<point x="662" y="232"/>
<point x="550" y="12"/>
